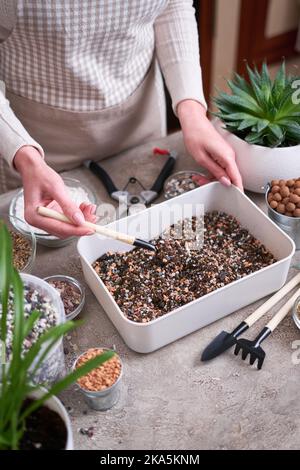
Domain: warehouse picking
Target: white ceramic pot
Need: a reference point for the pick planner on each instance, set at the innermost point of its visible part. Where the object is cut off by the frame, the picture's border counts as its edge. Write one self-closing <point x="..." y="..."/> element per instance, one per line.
<point x="259" y="165"/>
<point x="56" y="405"/>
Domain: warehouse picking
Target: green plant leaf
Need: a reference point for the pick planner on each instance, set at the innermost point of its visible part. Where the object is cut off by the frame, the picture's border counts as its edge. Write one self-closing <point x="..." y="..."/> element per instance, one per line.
<point x="69" y="379"/>
<point x="5" y="274"/>
<point x="247" y="123"/>
<point x="29" y="323"/>
<point x="262" y="124"/>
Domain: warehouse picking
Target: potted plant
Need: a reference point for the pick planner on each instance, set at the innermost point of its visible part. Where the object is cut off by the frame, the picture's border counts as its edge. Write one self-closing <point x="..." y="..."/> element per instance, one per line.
<point x="260" y="119"/>
<point x="31" y="417"/>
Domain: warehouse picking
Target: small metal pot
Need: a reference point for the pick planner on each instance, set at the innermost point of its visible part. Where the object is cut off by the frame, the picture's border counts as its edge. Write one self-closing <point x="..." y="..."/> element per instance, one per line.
<point x="290" y="225"/>
<point x="296" y="317"/>
<point x="104" y="399"/>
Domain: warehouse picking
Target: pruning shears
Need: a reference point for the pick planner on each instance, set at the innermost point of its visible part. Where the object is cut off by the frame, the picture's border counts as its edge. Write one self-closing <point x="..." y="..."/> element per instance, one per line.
<point x="144" y="196"/>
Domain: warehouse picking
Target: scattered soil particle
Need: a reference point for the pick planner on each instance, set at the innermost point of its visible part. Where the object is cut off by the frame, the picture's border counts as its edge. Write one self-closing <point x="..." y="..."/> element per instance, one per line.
<point x="89" y="432"/>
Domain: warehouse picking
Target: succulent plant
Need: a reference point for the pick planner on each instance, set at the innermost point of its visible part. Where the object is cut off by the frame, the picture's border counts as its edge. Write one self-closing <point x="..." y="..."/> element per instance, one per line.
<point x="262" y="111"/>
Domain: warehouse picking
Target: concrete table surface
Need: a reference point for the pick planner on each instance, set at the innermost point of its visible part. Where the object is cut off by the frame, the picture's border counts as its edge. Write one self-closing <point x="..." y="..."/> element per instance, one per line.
<point x="169" y="399"/>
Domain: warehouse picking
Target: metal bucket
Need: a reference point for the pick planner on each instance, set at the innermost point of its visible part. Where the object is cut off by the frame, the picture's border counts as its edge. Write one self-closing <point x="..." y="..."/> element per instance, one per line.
<point x="290" y="225"/>
<point x="103" y="399"/>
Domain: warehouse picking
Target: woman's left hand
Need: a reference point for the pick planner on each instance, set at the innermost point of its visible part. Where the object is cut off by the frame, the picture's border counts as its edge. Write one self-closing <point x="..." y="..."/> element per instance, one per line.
<point x="206" y="145"/>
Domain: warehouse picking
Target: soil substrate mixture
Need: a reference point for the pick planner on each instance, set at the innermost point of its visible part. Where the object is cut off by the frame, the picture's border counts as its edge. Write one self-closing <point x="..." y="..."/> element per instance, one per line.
<point x="147" y="285"/>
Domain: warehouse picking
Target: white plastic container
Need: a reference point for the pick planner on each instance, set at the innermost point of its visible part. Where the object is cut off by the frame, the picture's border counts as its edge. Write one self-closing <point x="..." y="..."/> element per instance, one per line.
<point x="147" y="337"/>
<point x="53" y="366"/>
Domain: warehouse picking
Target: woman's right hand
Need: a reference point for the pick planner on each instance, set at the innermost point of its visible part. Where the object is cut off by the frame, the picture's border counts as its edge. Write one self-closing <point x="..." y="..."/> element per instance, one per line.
<point x="44" y="187"/>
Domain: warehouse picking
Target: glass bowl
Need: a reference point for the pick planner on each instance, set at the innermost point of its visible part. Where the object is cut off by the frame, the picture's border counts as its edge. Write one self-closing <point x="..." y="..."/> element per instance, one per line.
<point x="27" y="234"/>
<point x="75" y="283"/>
<point x="180" y="183"/>
<point x="296" y="314"/>
<point x="16" y="209"/>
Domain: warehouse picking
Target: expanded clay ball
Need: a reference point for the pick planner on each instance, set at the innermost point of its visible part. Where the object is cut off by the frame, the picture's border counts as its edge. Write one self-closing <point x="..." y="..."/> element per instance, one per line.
<point x="281" y="208"/>
<point x="284" y="192"/>
<point x="274" y="204"/>
<point x="277" y="197"/>
<point x="290" y="207"/>
<point x="284" y="197"/>
<point x="275" y="189"/>
<point x="294" y="198"/>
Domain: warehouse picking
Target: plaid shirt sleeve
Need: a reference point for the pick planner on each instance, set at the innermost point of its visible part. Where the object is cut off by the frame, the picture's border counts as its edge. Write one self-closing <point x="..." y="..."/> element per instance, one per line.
<point x="177" y="49"/>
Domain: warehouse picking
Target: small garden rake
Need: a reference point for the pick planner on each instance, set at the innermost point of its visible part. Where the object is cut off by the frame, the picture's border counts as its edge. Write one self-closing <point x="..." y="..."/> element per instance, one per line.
<point x="225" y="340"/>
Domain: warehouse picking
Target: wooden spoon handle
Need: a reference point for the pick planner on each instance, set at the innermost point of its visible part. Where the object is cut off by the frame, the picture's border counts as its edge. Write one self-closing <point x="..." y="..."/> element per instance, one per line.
<point x="282" y="313"/>
<point x="123" y="237"/>
<point x="264" y="308"/>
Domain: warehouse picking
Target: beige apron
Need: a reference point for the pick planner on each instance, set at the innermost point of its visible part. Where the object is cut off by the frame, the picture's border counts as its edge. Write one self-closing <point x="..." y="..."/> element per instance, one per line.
<point x="68" y="138"/>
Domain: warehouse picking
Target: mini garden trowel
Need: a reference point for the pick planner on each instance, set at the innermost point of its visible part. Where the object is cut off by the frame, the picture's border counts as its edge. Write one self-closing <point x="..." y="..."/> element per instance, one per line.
<point x="226" y="340"/>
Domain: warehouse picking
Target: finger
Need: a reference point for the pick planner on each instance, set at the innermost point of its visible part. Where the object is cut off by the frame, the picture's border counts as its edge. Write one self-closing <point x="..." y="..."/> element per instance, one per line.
<point x="201" y="179"/>
<point x="88" y="211"/>
<point x="216" y="170"/>
<point x="69" y="208"/>
<point x="33" y="199"/>
<point x="57" y="228"/>
<point x="93" y="219"/>
<point x="234" y="174"/>
<point x="51" y="226"/>
<point x="224" y="156"/>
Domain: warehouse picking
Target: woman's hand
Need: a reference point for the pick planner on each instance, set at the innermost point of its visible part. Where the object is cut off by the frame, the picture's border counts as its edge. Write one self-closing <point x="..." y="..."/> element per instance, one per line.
<point x="206" y="145"/>
<point x="44" y="187"/>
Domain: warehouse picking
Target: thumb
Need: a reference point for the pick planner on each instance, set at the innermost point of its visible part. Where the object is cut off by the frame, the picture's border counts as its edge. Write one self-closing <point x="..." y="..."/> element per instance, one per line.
<point x="69" y="208"/>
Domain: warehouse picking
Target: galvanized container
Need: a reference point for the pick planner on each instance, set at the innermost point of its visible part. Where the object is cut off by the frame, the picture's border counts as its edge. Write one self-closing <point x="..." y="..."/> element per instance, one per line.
<point x="103" y="399"/>
<point x="290" y="225"/>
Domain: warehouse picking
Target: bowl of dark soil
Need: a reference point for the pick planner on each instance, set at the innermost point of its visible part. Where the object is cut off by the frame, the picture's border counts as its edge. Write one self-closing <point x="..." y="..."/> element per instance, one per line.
<point x="23" y="244"/>
<point x="71" y="291"/>
<point x="48" y="428"/>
